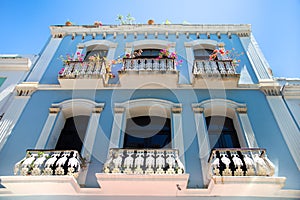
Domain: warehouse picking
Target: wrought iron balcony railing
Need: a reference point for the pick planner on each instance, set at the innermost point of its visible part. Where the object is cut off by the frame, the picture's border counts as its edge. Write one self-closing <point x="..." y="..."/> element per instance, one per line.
<point x="49" y="162"/>
<point x="149" y="64"/>
<point x="83" y="69"/>
<point x="240" y="162"/>
<point x="143" y="161"/>
<point x="213" y="68"/>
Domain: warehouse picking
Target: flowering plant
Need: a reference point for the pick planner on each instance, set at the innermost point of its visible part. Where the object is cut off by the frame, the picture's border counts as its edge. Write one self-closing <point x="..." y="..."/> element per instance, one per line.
<point x="165" y="53"/>
<point x="224" y="54"/>
<point x="136" y="53"/>
<point x="69" y="58"/>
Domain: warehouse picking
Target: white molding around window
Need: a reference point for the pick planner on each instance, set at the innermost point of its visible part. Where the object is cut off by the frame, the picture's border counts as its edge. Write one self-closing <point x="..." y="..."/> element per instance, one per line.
<point x="146" y="44"/>
<point x="197" y="44"/>
<point x="221" y="107"/>
<point x="105" y="44"/>
<point x="151" y="107"/>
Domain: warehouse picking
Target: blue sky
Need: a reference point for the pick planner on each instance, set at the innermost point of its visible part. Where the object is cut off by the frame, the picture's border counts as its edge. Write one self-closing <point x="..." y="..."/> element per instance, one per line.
<point x="275" y="24"/>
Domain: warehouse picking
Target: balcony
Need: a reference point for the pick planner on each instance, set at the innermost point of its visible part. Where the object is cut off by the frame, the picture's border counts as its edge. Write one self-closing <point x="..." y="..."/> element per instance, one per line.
<point x="240" y="162"/>
<point x="49" y="162"/>
<point x="83" y="75"/>
<point x="215" y="74"/>
<point x="142" y="171"/>
<point x="233" y="170"/>
<point x="148" y="73"/>
<point x="45" y="172"/>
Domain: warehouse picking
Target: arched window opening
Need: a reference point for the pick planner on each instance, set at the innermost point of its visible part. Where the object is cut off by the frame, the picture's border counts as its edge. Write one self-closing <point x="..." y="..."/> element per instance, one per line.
<point x="222" y="133"/>
<point x="149" y="53"/>
<point x="73" y="133"/>
<point x="148" y="132"/>
<point x="96" y="51"/>
<point x="202" y="54"/>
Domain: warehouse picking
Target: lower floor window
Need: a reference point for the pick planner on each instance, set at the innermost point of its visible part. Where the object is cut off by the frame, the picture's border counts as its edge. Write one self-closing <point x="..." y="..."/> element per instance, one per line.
<point x="222" y="133"/>
<point x="148" y="132"/>
<point x="73" y="133"/>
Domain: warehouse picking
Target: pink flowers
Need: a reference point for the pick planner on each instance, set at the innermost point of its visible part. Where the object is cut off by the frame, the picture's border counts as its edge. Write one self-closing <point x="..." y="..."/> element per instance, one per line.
<point x="222" y="54"/>
<point x="61" y="71"/>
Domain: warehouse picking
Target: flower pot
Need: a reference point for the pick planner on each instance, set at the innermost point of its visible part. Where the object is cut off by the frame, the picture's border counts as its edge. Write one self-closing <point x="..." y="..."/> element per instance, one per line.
<point x="68" y="23"/>
<point x="150" y="21"/>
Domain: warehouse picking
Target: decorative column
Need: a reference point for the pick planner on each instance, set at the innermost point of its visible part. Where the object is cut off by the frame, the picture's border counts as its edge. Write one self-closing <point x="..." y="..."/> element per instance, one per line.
<point x="285" y="121"/>
<point x="117" y="128"/>
<point x="177" y="139"/>
<point x="246" y="126"/>
<point x="44" y="60"/>
<point x="190" y="58"/>
<point x="15" y="109"/>
<point x="88" y="142"/>
<point x="90" y="135"/>
<point x="41" y="143"/>
<point x="256" y="58"/>
<point x="203" y="141"/>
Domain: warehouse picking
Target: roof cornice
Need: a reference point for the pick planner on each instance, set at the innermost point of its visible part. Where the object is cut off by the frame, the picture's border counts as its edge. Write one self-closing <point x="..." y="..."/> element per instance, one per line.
<point x="242" y="30"/>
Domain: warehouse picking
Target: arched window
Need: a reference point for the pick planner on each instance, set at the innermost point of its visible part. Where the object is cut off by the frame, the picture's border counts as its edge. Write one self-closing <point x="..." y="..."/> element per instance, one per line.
<point x="148" y="132"/>
<point x="202" y="54"/>
<point x="95" y="50"/>
<point x="73" y="133"/>
<point x="221" y="132"/>
<point x="150" y="53"/>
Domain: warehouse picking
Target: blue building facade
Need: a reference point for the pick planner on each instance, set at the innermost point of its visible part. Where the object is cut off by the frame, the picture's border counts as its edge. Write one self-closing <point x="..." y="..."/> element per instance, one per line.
<point x="173" y="111"/>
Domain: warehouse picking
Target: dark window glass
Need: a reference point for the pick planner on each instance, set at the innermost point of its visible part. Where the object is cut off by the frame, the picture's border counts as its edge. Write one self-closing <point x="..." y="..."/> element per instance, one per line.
<point x="222" y="133"/>
<point x="202" y="54"/>
<point x="73" y="133"/>
<point x="148" y="132"/>
<point x="150" y="53"/>
<point x="95" y="52"/>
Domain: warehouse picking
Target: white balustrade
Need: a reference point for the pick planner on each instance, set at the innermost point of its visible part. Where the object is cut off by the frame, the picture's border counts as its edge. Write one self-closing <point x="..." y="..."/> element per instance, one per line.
<point x="79" y="69"/>
<point x="39" y="162"/>
<point x="211" y="68"/>
<point x="144" y="161"/>
<point x="149" y="64"/>
<point x="240" y="162"/>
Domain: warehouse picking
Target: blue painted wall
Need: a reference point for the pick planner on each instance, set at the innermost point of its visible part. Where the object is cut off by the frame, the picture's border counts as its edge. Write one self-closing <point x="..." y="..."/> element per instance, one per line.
<point x="69" y="46"/>
<point x="30" y="124"/>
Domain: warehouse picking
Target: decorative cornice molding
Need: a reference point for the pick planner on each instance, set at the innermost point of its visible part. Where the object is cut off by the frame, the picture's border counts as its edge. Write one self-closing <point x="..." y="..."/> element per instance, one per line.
<point x="15" y="63"/>
<point x="176" y="109"/>
<point x="241" y="109"/>
<point x="54" y="110"/>
<point x="242" y="30"/>
<point x="97" y="109"/>
<point x="119" y="109"/>
<point x="197" y="109"/>
<point x="270" y="88"/>
<point x="26" y="88"/>
<point x="291" y="91"/>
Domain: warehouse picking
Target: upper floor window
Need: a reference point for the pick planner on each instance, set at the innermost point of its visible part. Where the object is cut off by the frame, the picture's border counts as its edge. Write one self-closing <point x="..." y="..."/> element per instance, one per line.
<point x="202" y="54"/>
<point x="148" y="132"/>
<point x="222" y="133"/>
<point x="95" y="50"/>
<point x="150" y="53"/>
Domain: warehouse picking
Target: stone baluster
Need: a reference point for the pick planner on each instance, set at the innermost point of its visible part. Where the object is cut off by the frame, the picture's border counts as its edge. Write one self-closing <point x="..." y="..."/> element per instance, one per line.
<point x="170" y="160"/>
<point x="149" y="64"/>
<point x="139" y="162"/>
<point x="222" y="68"/>
<point x="150" y="162"/>
<point x="214" y="67"/>
<point x="128" y="161"/>
<point x="160" y="162"/>
<point x="117" y="161"/>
